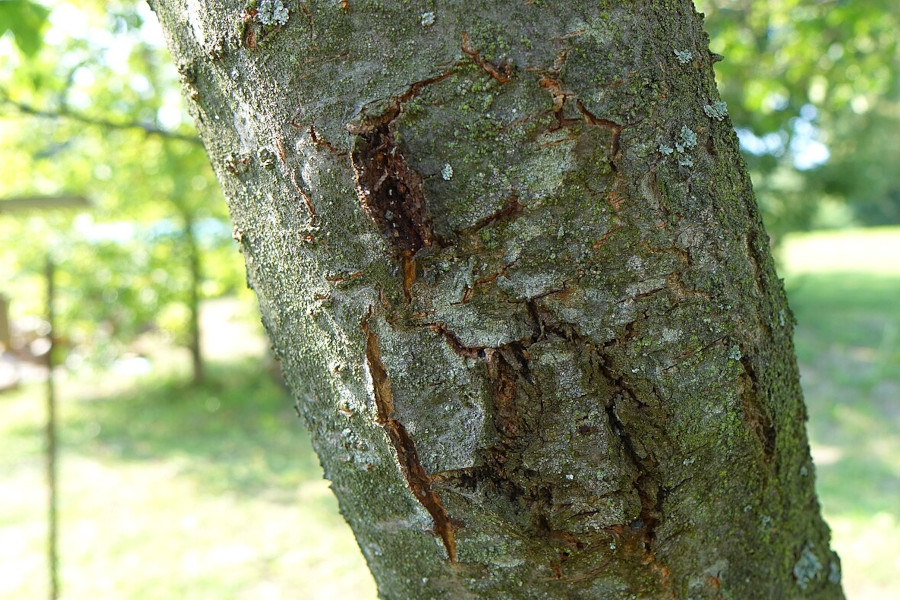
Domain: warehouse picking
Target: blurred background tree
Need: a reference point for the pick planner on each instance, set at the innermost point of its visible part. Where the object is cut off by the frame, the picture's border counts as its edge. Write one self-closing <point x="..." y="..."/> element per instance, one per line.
<point x="90" y="104"/>
<point x="813" y="90"/>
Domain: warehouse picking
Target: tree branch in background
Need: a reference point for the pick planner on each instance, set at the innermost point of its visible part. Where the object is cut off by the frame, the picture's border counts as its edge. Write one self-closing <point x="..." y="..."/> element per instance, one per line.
<point x="28" y="109"/>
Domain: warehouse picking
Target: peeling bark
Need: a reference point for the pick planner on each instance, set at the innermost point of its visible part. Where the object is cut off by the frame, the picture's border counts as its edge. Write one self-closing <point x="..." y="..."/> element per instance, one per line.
<point x="520" y="288"/>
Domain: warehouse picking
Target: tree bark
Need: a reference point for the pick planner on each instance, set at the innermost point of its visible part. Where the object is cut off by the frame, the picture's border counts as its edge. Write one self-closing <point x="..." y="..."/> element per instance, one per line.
<point x="511" y="260"/>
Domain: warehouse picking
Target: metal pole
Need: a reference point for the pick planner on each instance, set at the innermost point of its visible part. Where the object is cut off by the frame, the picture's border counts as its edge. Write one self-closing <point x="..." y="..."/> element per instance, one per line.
<point x="52" y="534"/>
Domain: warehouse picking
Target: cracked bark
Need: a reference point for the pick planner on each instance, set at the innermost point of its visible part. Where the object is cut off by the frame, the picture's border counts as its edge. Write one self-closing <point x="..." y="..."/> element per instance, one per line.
<point x="539" y="356"/>
<point x="418" y="481"/>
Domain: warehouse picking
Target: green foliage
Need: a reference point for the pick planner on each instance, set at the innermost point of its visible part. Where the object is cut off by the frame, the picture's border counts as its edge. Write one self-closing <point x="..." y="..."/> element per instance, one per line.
<point x="26" y="21"/>
<point x="74" y="118"/>
<point x="813" y="89"/>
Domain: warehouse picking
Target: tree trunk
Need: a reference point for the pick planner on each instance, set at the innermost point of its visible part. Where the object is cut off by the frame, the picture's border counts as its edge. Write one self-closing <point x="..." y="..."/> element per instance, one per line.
<point x="510" y="258"/>
<point x="195" y="273"/>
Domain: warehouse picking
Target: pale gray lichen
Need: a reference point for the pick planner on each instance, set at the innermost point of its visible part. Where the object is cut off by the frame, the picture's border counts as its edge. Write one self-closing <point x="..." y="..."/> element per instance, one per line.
<point x="447" y="172"/>
<point x="272" y="12"/>
<point x="684" y="56"/>
<point x="807" y="567"/>
<point x="687" y="139"/>
<point x="734" y="353"/>
<point x="717" y="110"/>
<point x="834" y="572"/>
<point x="427" y="19"/>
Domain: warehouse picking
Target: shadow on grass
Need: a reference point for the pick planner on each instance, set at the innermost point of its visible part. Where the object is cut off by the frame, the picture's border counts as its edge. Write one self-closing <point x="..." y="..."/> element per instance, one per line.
<point x="236" y="433"/>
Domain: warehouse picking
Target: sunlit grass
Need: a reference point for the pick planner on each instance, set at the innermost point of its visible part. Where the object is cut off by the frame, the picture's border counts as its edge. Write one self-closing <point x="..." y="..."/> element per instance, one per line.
<point x="845" y="292"/>
<point x="874" y="250"/>
<point x="169" y="491"/>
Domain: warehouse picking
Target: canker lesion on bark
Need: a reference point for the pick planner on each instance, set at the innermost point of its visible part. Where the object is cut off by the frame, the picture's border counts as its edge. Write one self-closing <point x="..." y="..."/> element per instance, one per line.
<point x="417" y="479"/>
<point x="390" y="190"/>
<point x="392" y="194"/>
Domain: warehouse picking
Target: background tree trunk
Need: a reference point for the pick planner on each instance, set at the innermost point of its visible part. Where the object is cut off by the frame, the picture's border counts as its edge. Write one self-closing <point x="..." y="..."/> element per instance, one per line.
<point x="511" y="261"/>
<point x="195" y="277"/>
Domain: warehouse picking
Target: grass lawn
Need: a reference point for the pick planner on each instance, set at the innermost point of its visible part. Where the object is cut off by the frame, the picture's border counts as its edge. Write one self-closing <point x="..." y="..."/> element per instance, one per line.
<point x="844" y="289"/>
<point x="174" y="492"/>
<point x="169" y="491"/>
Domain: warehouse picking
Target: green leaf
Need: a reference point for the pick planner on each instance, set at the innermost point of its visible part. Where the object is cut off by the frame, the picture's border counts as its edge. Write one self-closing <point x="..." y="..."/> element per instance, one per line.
<point x="26" y="20"/>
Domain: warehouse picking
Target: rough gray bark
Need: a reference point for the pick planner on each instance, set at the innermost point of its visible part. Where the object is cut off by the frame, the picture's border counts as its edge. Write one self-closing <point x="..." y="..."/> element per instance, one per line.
<point x="510" y="258"/>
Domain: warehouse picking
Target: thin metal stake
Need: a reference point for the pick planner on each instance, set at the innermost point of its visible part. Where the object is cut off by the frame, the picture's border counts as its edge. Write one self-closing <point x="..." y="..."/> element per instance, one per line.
<point x="52" y="555"/>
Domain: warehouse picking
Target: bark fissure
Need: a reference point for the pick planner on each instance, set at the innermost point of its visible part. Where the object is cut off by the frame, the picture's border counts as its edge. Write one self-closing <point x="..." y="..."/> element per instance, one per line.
<point x="511" y="208"/>
<point x="647" y="484"/>
<point x="755" y="415"/>
<point x="501" y="72"/>
<point x="612" y="126"/>
<point x="454" y="341"/>
<point x="648" y="480"/>
<point x="417" y="479"/>
<point x="469" y="290"/>
<point x="509" y="370"/>
<point x="674" y="281"/>
<point x="508" y="367"/>
<point x="561" y="97"/>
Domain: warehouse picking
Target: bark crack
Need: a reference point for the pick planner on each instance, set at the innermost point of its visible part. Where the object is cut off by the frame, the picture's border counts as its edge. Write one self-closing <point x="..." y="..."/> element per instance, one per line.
<point x="509" y="370"/>
<point x="673" y="279"/>
<point x="648" y="479"/>
<point x="551" y="81"/>
<point x="417" y="479"/>
<point x="470" y="289"/>
<point x="390" y="190"/>
<point x="501" y="72"/>
<point x="511" y="208"/>
<point x="755" y="414"/>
